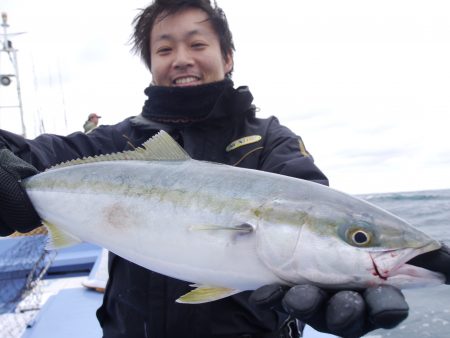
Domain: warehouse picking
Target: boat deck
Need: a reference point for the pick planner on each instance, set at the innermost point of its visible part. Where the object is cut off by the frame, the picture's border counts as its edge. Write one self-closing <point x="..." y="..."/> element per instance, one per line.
<point x="62" y="306"/>
<point x="69" y="313"/>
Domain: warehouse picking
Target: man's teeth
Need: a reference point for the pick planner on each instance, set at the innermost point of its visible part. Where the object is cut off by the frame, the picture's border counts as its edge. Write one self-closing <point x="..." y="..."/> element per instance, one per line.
<point x="185" y="80"/>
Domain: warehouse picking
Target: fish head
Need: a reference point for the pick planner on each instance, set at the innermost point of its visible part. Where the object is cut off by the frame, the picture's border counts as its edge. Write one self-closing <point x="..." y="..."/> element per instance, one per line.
<point x="346" y="245"/>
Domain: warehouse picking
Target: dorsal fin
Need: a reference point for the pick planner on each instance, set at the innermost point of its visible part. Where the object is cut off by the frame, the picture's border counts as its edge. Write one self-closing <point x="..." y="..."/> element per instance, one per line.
<point x="161" y="147"/>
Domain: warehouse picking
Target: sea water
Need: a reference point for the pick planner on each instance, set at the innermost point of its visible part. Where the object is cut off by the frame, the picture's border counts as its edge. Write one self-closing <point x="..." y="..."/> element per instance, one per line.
<point x="429" y="314"/>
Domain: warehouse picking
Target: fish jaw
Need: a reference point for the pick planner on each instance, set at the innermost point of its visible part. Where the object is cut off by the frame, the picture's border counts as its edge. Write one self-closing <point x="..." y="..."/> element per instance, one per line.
<point x="328" y="262"/>
<point x="314" y="258"/>
<point x="391" y="267"/>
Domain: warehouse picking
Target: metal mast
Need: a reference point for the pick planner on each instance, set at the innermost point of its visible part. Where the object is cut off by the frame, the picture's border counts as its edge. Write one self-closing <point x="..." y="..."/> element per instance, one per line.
<point x="5" y="78"/>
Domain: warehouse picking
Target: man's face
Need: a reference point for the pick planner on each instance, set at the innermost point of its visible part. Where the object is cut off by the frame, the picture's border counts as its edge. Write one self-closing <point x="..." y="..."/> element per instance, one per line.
<point x="185" y="51"/>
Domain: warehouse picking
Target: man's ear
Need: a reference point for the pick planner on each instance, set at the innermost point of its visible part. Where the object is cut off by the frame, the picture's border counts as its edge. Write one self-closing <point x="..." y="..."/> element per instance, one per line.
<point x="229" y="63"/>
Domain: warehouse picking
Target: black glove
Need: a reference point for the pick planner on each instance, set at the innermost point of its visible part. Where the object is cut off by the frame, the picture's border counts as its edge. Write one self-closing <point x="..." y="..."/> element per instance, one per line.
<point x="438" y="261"/>
<point x="344" y="313"/>
<point x="16" y="210"/>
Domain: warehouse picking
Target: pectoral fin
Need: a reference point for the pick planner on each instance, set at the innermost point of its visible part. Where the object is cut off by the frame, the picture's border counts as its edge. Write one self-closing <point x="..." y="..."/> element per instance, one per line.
<point x="58" y="238"/>
<point x="244" y="227"/>
<point x="205" y="294"/>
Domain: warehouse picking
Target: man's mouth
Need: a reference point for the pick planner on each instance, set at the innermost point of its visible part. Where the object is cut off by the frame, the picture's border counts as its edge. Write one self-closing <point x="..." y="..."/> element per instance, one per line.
<point x="183" y="81"/>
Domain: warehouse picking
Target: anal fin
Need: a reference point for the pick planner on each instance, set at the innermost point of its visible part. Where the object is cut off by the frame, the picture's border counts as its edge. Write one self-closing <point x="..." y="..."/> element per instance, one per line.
<point x="59" y="238"/>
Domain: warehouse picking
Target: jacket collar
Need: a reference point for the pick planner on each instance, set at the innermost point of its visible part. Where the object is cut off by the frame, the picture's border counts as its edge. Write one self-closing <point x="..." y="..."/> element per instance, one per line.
<point x="232" y="103"/>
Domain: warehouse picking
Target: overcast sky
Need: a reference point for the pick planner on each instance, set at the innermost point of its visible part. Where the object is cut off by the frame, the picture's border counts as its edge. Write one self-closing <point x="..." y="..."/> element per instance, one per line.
<point x="365" y="83"/>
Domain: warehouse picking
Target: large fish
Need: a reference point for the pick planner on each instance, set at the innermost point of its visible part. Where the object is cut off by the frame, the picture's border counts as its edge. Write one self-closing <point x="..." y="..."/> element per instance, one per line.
<point x="226" y="229"/>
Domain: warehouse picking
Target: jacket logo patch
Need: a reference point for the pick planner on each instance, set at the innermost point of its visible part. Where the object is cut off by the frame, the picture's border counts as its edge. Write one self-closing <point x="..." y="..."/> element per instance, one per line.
<point x="243" y="141"/>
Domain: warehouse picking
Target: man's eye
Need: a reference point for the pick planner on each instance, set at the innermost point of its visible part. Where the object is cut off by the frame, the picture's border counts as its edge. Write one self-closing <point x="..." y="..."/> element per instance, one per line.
<point x="164" y="50"/>
<point x="198" y="45"/>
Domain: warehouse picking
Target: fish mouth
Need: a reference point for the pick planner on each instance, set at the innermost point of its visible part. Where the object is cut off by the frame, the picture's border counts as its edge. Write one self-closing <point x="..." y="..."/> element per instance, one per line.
<point x="392" y="267"/>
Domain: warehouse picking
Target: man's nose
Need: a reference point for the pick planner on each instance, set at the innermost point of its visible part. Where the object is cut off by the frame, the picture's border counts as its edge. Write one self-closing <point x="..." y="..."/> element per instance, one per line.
<point x="183" y="58"/>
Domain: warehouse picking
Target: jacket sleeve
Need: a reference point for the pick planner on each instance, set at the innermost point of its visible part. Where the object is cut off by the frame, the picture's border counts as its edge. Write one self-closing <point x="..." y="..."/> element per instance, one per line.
<point x="48" y="149"/>
<point x="284" y="153"/>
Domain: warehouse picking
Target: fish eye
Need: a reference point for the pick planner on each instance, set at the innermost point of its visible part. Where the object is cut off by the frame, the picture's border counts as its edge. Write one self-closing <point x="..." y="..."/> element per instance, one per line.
<point x="360" y="237"/>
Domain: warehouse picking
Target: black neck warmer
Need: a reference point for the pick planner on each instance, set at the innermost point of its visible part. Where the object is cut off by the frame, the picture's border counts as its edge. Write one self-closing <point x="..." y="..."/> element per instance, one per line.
<point x="183" y="105"/>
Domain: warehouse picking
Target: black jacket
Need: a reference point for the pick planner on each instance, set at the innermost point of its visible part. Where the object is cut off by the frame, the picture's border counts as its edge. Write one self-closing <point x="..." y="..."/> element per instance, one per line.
<point x="139" y="302"/>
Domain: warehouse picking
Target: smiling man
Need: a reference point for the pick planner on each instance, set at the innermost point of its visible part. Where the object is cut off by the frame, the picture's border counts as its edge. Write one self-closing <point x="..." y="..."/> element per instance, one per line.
<point x="188" y="48"/>
<point x="185" y="50"/>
